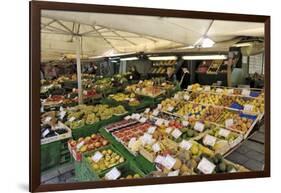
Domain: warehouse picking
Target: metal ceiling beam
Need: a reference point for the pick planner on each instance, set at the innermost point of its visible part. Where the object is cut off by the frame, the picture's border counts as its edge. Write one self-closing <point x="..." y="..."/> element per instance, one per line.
<point x="65" y="27"/>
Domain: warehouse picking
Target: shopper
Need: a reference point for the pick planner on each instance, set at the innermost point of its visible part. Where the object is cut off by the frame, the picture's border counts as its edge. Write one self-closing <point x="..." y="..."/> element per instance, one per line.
<point x="185" y="78"/>
<point x="135" y="75"/>
<point x="171" y="76"/>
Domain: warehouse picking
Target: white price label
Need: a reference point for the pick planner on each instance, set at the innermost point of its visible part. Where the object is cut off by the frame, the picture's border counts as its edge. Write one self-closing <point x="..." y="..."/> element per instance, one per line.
<point x="62" y="114"/>
<point x="185" y="123"/>
<point x="143" y="119"/>
<point x="113" y="174"/>
<point x="61" y="108"/>
<point x="185" y="145"/>
<point x="136" y="116"/>
<point x="156" y="147"/>
<point x="140" y="81"/>
<point x="246" y="92"/>
<point x="151" y="129"/>
<point x="169" y="162"/>
<point x="228" y="123"/>
<point x="147" y="110"/>
<point x="186" y="97"/>
<point x="224" y="132"/>
<point x="199" y="126"/>
<point x="159" y="159"/>
<point x="209" y="140"/>
<point x="47" y="119"/>
<point x="168" y="130"/>
<point x="219" y="90"/>
<point x="147" y="138"/>
<point x="127" y="117"/>
<point x="248" y="108"/>
<point x="207" y="88"/>
<point x="174" y="173"/>
<point x="46" y="132"/>
<point x="97" y="156"/>
<point x="155" y="112"/>
<point x="159" y="106"/>
<point x="170" y="108"/>
<point x="166" y="122"/>
<point x="176" y="133"/>
<point x="79" y="145"/>
<point x="159" y="122"/>
<point x="205" y="166"/>
<point x="230" y="91"/>
<point x="132" y="142"/>
<point x="71" y="119"/>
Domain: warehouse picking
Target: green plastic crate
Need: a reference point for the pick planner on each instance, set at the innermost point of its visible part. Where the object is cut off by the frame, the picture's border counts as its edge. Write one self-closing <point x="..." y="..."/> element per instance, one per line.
<point x="54" y="154"/>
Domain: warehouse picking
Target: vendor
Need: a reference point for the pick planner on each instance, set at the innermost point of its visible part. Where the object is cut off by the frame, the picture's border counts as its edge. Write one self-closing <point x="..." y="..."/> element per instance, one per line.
<point x="185" y="78"/>
<point x="134" y="74"/>
<point x="171" y="76"/>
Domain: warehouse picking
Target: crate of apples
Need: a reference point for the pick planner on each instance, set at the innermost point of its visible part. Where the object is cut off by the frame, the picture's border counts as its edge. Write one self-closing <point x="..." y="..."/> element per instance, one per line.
<point x="82" y="145"/>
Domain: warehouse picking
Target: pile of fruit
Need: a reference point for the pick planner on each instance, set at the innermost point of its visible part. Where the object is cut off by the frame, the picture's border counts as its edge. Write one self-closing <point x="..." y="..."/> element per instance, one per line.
<point x="89" y="143"/>
<point x="169" y="104"/>
<point x="81" y="115"/>
<point x="192" y="110"/>
<point x="212" y="113"/>
<point x="241" y="124"/>
<point x="207" y="99"/>
<point x="128" y="98"/>
<point x="109" y="159"/>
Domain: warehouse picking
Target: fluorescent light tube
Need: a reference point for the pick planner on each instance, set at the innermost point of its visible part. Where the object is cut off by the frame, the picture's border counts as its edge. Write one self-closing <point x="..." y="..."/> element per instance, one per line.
<point x="205" y="57"/>
<point x="128" y="59"/>
<point x="163" y="58"/>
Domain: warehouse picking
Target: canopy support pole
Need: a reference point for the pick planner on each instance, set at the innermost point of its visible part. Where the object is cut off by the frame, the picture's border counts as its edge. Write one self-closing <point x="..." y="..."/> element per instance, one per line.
<point x="78" y="65"/>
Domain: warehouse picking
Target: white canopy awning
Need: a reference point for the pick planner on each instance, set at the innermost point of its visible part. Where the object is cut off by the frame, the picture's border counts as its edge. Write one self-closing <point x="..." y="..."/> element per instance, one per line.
<point x="106" y="34"/>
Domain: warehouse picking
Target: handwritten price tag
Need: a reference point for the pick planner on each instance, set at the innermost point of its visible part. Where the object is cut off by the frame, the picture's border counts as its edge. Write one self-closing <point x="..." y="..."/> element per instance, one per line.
<point x="174" y="173"/>
<point x="97" y="156"/>
<point x="199" y="126"/>
<point x="176" y="133"/>
<point x="209" y="140"/>
<point x="248" y="108"/>
<point x="205" y="166"/>
<point x="113" y="174"/>
<point x="156" y="147"/>
<point x="151" y="129"/>
<point x="185" y="145"/>
<point x="228" y="123"/>
<point x="224" y="132"/>
<point x="185" y="123"/>
<point x="207" y="88"/>
<point x="246" y="92"/>
<point x="168" y="162"/>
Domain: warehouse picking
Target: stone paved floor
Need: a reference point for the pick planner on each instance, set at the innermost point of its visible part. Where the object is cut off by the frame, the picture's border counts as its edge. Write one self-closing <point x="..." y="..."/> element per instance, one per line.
<point x="249" y="154"/>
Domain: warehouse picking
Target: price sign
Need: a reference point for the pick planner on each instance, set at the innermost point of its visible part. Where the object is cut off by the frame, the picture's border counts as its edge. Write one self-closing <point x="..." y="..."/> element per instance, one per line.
<point x="205" y="166"/>
<point x="207" y="88"/>
<point x="97" y="156"/>
<point x="147" y="138"/>
<point x="71" y="119"/>
<point x="143" y="119"/>
<point x="224" y="132"/>
<point x="47" y="119"/>
<point x="185" y="123"/>
<point x="46" y="132"/>
<point x="151" y="129"/>
<point x="246" y="92"/>
<point x="248" y="108"/>
<point x="127" y="117"/>
<point x="62" y="114"/>
<point x="159" y="122"/>
<point x="155" y="112"/>
<point x="209" y="140"/>
<point x="156" y="147"/>
<point x="176" y="133"/>
<point x="168" y="130"/>
<point x="131" y="77"/>
<point x="174" y="173"/>
<point x="186" y="97"/>
<point x="219" y="90"/>
<point x="159" y="106"/>
<point x="113" y="174"/>
<point x="79" y="145"/>
<point x="185" y="144"/>
<point x="228" y="123"/>
<point x="147" y="110"/>
<point x="168" y="162"/>
<point x="136" y="116"/>
<point x="199" y="126"/>
<point x="159" y="159"/>
<point x="132" y="142"/>
<point x="230" y="91"/>
<point x="166" y="122"/>
<point x="170" y="108"/>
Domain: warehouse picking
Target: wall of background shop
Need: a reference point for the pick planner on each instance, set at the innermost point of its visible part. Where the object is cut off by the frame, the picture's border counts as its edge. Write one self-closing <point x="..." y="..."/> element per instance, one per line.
<point x="14" y="95"/>
<point x="142" y="66"/>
